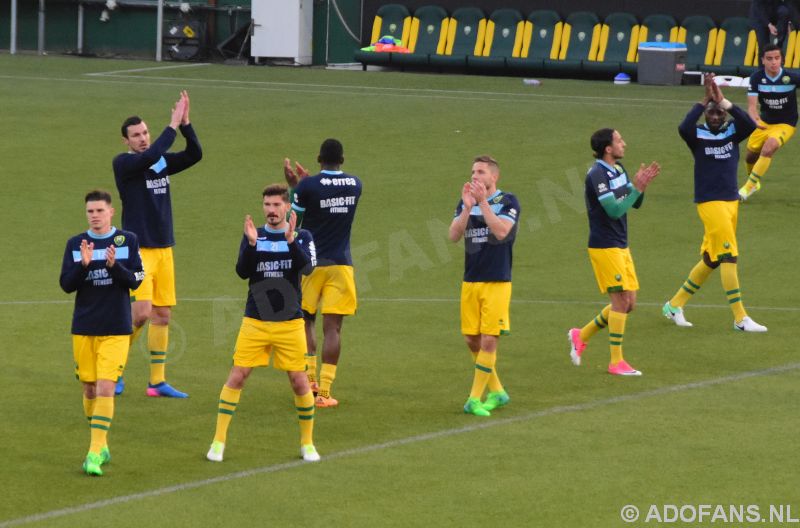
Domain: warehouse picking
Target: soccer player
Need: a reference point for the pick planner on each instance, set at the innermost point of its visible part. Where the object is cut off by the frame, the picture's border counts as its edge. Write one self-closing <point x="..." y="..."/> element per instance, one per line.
<point x="142" y="176"/>
<point x="326" y="205"/>
<point x="487" y="219"/>
<point x="775" y="91"/>
<point x="102" y="265"/>
<point x="609" y="195"/>
<point x="715" y="147"/>
<point x="272" y="258"/>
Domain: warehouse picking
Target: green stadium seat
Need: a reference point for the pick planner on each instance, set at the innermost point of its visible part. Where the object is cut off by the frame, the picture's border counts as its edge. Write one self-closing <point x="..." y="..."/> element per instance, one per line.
<point x="541" y="40"/>
<point x="580" y="41"/>
<point x="504" y="32"/>
<point x="465" y="36"/>
<point x="699" y="33"/>
<point x="658" y="28"/>
<point x="735" y="46"/>
<point x="390" y="20"/>
<point x="619" y="43"/>
<point x="428" y="36"/>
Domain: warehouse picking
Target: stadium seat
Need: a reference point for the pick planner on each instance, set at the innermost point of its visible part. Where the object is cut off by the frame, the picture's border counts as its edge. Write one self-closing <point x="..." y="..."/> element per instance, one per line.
<point x="580" y="40"/>
<point x="504" y="32"/>
<point x="428" y="36"/>
<point x="541" y="40"/>
<point x="658" y="28"/>
<point x="390" y="20"/>
<point x="465" y="35"/>
<point x="735" y="46"/>
<point x="619" y="43"/>
<point x="699" y="34"/>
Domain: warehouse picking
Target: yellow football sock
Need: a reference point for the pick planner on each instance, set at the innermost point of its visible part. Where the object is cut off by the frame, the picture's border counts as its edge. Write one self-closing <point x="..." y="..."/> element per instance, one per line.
<point x="616" y="333"/>
<point x="697" y="277"/>
<point x="101" y="422"/>
<point x="305" y="417"/>
<point x="326" y="376"/>
<point x="494" y="380"/>
<point x="157" y="343"/>
<point x="136" y="331"/>
<point x="484" y="366"/>
<point x="596" y="324"/>
<point x="730" y="282"/>
<point x="311" y="368"/>
<point x="759" y="169"/>
<point x="88" y="408"/>
<point x="228" y="400"/>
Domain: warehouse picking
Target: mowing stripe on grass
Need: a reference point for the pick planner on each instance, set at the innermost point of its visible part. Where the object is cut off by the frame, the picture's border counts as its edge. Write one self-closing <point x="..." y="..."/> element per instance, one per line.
<point x="472" y="427"/>
<point x="440" y="300"/>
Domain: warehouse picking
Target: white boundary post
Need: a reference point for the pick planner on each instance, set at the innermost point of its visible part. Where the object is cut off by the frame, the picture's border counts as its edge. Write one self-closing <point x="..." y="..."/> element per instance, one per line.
<point x="159" y="29"/>
<point x="41" y="30"/>
<point x="12" y="47"/>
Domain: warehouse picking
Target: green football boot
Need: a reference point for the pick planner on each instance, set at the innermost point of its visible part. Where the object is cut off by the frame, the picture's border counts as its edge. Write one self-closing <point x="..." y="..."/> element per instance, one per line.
<point x="495" y="400"/>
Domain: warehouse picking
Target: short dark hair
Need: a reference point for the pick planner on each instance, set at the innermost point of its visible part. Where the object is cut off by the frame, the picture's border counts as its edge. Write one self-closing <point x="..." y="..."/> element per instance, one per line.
<point x="331" y="152"/>
<point x="98" y="195"/>
<point x="132" y="120"/>
<point x="771" y="47"/>
<point x="600" y="140"/>
<point x="277" y="189"/>
<point x="488" y="160"/>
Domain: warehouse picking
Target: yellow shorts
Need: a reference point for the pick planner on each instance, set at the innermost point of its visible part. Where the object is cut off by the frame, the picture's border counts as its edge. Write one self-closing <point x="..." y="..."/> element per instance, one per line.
<point x="158" y="285"/>
<point x="484" y="308"/>
<point x="259" y="339"/>
<point x="332" y="289"/>
<point x="100" y="357"/>
<point x="781" y="131"/>
<point x="614" y="269"/>
<point x="719" y="220"/>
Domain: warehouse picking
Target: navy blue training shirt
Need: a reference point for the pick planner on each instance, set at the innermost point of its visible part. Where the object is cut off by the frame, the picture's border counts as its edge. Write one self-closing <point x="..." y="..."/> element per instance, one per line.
<point x="487" y="259"/>
<point x="328" y="202"/>
<point x="143" y="184"/>
<point x="103" y="301"/>
<point x="777" y="96"/>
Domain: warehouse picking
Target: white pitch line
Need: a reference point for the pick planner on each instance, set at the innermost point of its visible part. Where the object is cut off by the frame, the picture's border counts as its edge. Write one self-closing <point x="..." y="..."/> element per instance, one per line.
<point x="175" y="67"/>
<point x="377" y="91"/>
<point x="444" y="433"/>
<point x="436" y="300"/>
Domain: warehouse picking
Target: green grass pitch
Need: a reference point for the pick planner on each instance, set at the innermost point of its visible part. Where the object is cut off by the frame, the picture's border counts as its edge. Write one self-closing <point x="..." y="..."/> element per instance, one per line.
<point x="712" y="421"/>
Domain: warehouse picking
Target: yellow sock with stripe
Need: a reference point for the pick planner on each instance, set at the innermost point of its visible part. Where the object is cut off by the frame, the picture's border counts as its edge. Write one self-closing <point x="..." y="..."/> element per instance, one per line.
<point x="494" y="380"/>
<point x="101" y="422"/>
<point x="305" y="417"/>
<point x="157" y="343"/>
<point x="759" y="169"/>
<point x="228" y="400"/>
<point x="595" y="325"/>
<point x="136" y="331"/>
<point x="730" y="282"/>
<point x="88" y="408"/>
<point x="311" y="368"/>
<point x="616" y="333"/>
<point x="697" y="277"/>
<point x="326" y="376"/>
<point x="484" y="366"/>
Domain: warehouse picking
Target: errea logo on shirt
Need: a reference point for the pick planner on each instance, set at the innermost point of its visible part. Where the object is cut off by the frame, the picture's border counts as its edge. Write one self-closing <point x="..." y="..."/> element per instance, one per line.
<point x="337" y="181"/>
<point x="512" y="213"/>
<point x="602" y="187"/>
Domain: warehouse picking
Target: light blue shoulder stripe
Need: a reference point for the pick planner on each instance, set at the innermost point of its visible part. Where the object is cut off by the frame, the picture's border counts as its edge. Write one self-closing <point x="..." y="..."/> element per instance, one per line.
<point x="506" y="217"/>
<point x="159" y="166"/>
<point x="298" y="208"/>
<point x="476" y="210"/>
<point x="269" y="246"/>
<point x="703" y="133"/>
<point x="100" y="254"/>
<point x="776" y="88"/>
